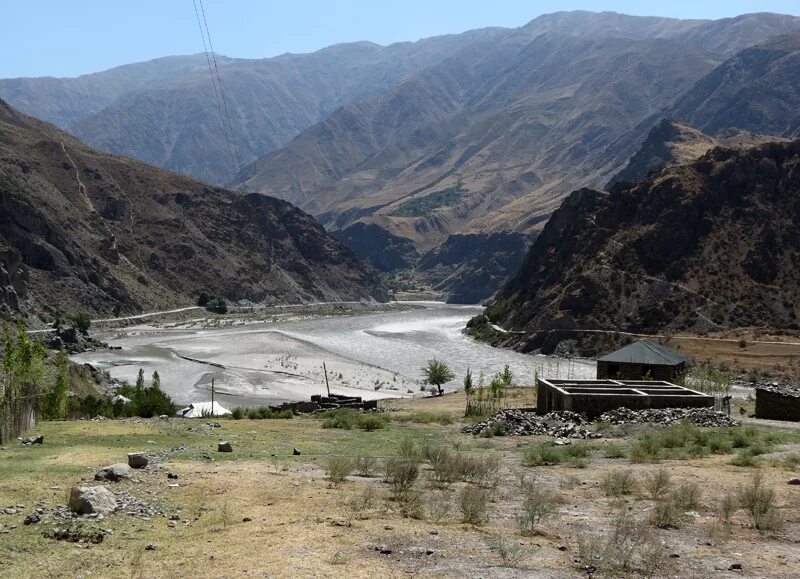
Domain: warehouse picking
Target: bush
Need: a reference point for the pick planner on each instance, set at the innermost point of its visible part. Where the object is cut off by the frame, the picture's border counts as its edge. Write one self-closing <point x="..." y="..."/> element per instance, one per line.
<point x="687" y="496"/>
<point x="613" y="451"/>
<point x="344" y="419"/>
<point x="759" y="504"/>
<point x="725" y="508"/>
<point x="370" y="422"/>
<point x="261" y="413"/>
<point x="338" y="468"/>
<point x="657" y="484"/>
<point x="542" y="455"/>
<point x="474" y="504"/>
<point x="237" y="413"/>
<point x="666" y="515"/>
<point x="618" y="483"/>
<point x="401" y="474"/>
<point x="538" y="505"/>
<point x="366" y="466"/>
<point x="744" y="458"/>
<point x="509" y="550"/>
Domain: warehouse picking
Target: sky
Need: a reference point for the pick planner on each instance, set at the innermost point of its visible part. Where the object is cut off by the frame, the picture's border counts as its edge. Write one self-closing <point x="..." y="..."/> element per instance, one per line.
<point x="60" y="38"/>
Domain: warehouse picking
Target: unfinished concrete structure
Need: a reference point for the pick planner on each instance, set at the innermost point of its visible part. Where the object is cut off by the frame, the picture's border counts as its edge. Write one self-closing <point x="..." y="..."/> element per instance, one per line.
<point x="778" y="402"/>
<point x="593" y="397"/>
<point x="641" y="359"/>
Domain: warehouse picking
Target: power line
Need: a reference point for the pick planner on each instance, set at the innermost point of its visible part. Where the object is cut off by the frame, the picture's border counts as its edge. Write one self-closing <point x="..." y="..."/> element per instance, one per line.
<point x="221" y="91"/>
<point x="217" y="93"/>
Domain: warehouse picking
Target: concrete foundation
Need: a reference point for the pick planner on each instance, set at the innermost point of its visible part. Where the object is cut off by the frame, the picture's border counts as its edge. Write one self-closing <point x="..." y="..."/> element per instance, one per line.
<point x="593" y="397"/>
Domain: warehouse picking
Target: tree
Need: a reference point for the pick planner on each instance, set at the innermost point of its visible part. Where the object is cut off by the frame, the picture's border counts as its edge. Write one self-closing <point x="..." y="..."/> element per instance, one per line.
<point x="437" y="373"/>
<point x="140" y="380"/>
<point x="468" y="386"/>
<point x="54" y="405"/>
<point x="82" y="322"/>
<point x="156" y="381"/>
<point x="506" y="376"/>
<point x="21" y="380"/>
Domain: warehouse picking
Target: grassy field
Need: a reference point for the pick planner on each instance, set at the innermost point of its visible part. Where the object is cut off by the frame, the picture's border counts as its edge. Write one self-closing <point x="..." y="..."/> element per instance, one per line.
<point x="496" y="506"/>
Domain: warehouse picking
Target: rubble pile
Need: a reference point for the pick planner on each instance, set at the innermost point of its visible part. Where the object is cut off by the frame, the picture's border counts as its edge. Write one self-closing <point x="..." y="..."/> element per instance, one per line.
<point x="521" y="423"/>
<point x="706" y="417"/>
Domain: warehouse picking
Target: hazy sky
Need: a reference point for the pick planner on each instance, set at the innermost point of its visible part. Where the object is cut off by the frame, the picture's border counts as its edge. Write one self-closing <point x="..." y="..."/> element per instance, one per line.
<point x="61" y="38"/>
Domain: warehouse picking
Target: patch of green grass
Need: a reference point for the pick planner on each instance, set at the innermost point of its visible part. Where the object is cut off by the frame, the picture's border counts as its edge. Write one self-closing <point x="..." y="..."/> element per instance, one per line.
<point x="420" y="206"/>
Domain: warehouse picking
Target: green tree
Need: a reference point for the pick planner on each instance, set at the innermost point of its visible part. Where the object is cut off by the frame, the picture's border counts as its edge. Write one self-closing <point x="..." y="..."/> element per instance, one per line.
<point x="468" y="385"/>
<point x="22" y="377"/>
<point x="437" y="373"/>
<point x="54" y="406"/>
<point x="140" y="380"/>
<point x="156" y="381"/>
<point x="506" y="376"/>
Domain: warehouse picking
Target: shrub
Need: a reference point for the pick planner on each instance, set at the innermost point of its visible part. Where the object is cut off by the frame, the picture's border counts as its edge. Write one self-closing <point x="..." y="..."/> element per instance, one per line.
<point x="724" y="509"/>
<point x="687" y="496"/>
<point x="542" y="455"/>
<point x="666" y="515"/>
<point x="237" y="413"/>
<point x="401" y="474"/>
<point x="370" y="422"/>
<point x="439" y="506"/>
<point x="409" y="449"/>
<point x="657" y="484"/>
<point x="338" y="468"/>
<point x="366" y="466"/>
<point x="744" y="458"/>
<point x="759" y="504"/>
<point x="479" y="470"/>
<point x="344" y="419"/>
<point x="474" y="504"/>
<point x="613" y="451"/>
<point x="538" y="504"/>
<point x="509" y="550"/>
<point x="618" y="483"/>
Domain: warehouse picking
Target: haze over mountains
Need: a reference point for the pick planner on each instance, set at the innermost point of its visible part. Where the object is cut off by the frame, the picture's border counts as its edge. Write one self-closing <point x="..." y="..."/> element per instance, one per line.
<point x="479" y="133"/>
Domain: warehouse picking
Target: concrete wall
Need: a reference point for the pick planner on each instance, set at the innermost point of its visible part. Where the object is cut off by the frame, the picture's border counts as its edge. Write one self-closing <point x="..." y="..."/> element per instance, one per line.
<point x="777" y="406"/>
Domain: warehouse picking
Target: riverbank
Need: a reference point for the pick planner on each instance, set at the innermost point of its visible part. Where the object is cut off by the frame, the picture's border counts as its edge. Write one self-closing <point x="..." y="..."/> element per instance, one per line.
<point x="267" y="358"/>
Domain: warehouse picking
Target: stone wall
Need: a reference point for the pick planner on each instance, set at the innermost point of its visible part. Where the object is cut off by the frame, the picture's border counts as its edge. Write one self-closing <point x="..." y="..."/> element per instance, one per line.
<point x="778" y="404"/>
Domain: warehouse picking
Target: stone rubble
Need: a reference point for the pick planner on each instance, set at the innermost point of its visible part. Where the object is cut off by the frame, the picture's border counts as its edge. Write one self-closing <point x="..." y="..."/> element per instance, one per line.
<point x="706" y="417"/>
<point x="567" y="424"/>
<point x="520" y="423"/>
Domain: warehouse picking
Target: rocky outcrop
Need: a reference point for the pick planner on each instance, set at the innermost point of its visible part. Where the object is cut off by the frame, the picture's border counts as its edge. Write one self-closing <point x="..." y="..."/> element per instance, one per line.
<point x="82" y="231"/>
<point x="381" y="249"/>
<point x="470" y="268"/>
<point x="90" y="500"/>
<point x="709" y="245"/>
<point x="673" y="142"/>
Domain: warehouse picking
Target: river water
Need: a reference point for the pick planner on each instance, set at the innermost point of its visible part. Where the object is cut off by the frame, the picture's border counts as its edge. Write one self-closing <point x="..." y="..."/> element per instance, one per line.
<point x="376" y="355"/>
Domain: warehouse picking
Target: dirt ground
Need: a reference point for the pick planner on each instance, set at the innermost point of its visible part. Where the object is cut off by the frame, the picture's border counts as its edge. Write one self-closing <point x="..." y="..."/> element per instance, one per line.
<point x="267" y="512"/>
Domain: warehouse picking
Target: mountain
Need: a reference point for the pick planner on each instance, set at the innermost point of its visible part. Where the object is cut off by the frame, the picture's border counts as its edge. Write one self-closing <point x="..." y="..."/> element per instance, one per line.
<point x="754" y="90"/>
<point x="166" y="112"/>
<point x="87" y="231"/>
<point x="493" y="137"/>
<point x="709" y="245"/>
<point x="674" y="142"/>
<point x="470" y="268"/>
<point x="382" y="250"/>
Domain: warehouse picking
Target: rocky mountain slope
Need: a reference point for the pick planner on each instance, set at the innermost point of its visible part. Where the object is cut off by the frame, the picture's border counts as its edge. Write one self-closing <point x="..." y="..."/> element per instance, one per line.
<point x="494" y="137"/>
<point x="708" y="245"/>
<point x="674" y="142"/>
<point x="164" y="112"/>
<point x="87" y="231"/>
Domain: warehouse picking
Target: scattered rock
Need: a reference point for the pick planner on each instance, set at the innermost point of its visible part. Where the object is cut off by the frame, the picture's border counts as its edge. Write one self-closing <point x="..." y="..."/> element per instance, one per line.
<point x="76" y="535"/>
<point x="32" y="519"/>
<point x="707" y="417"/>
<point x="38" y="439"/>
<point x="137" y="460"/>
<point x="794" y="481"/>
<point x="735" y="567"/>
<point x="88" y="500"/>
<point x="113" y="473"/>
<point x="246" y="519"/>
<point x="150" y="547"/>
<point x="224" y="446"/>
<point x="295" y="452"/>
<point x="520" y="423"/>
<point x="172" y="475"/>
<point x="175" y="517"/>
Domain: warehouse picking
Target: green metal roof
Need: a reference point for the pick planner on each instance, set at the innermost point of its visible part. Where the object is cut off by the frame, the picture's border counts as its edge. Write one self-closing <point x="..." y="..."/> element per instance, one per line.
<point x="645" y="352"/>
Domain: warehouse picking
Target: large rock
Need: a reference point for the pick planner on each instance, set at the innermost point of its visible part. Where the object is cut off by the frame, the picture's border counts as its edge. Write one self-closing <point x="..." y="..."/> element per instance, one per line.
<point x="224" y="447"/>
<point x="114" y="472"/>
<point x="88" y="500"/>
<point x="137" y="460"/>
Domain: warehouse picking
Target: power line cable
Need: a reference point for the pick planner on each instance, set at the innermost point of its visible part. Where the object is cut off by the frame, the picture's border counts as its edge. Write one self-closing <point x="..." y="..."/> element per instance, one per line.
<point x="221" y="91"/>
<point x="214" y="84"/>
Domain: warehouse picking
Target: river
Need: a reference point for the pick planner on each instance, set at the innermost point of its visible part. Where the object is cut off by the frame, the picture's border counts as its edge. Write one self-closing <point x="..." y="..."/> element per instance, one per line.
<point x="374" y="356"/>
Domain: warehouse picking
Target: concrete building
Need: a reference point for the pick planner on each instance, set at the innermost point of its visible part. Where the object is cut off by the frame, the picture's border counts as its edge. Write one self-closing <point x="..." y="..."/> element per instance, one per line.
<point x="593" y="397"/>
<point x="642" y="359"/>
<point x="778" y="402"/>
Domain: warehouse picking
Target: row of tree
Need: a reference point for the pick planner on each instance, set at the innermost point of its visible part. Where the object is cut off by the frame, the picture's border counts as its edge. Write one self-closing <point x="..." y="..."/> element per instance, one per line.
<point x="481" y="399"/>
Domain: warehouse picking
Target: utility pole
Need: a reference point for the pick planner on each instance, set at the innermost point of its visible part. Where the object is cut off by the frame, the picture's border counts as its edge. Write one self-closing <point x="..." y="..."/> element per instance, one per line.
<point x="212" y="397"/>
<point x="325" y="369"/>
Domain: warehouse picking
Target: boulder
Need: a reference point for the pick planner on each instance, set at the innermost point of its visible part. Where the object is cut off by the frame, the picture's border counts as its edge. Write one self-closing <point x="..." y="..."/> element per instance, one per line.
<point x="137" y="460"/>
<point x="794" y="481"/>
<point x="114" y="472"/>
<point x="224" y="446"/>
<point x="88" y="500"/>
<point x="38" y="439"/>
